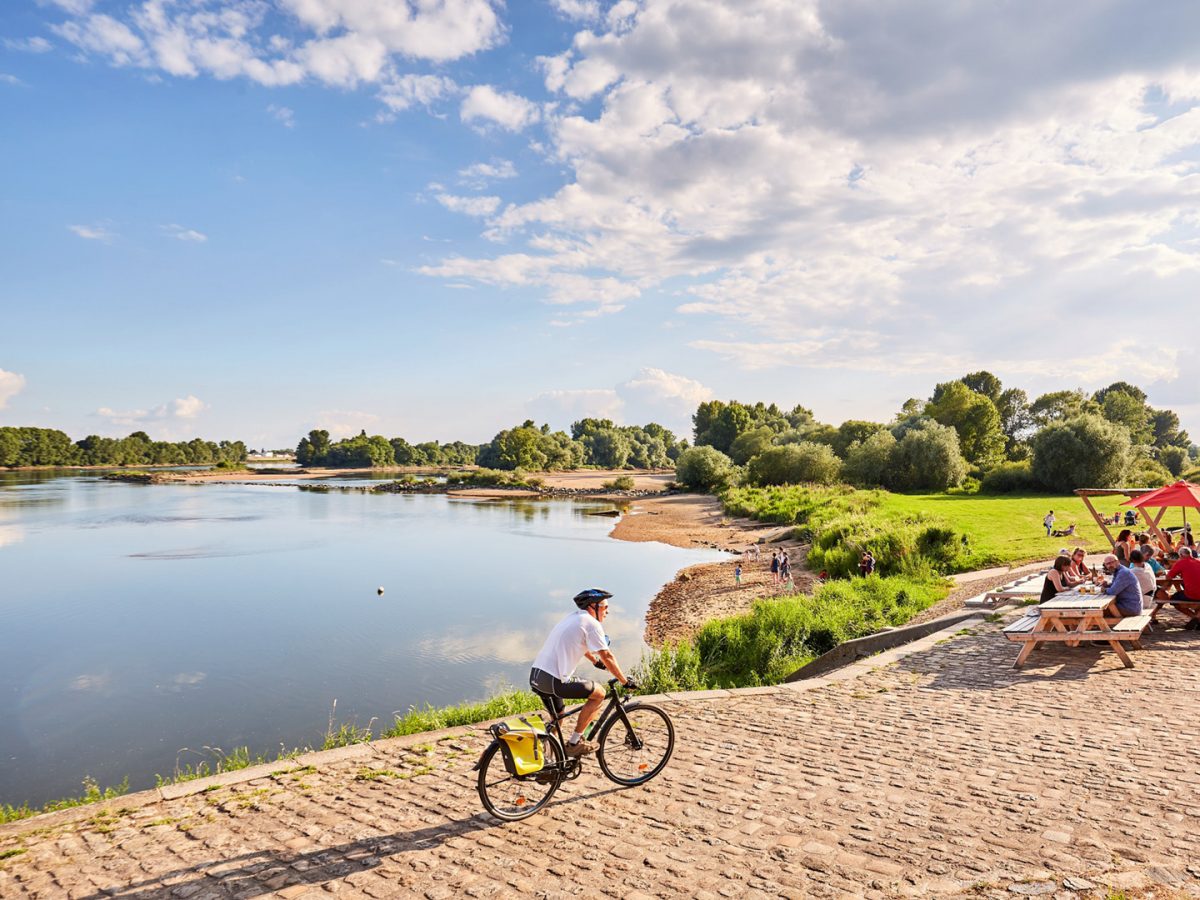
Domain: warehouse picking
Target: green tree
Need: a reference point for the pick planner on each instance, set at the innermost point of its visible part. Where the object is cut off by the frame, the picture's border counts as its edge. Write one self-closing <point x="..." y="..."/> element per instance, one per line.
<point x="868" y="462"/>
<point x="1167" y="433"/>
<point x="974" y="417"/>
<point x="1057" y="406"/>
<point x="795" y="464"/>
<point x="927" y="458"/>
<point x="1122" y="386"/>
<point x="312" y="450"/>
<point x="984" y="383"/>
<point x="703" y="468"/>
<point x="1127" y="410"/>
<point x="751" y="443"/>
<point x="606" y="447"/>
<point x="1080" y="452"/>
<point x="1173" y="459"/>
<point x="851" y="432"/>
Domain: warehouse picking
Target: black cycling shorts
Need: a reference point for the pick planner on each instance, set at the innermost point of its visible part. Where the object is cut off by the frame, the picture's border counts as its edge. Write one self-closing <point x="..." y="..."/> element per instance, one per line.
<point x="543" y="682"/>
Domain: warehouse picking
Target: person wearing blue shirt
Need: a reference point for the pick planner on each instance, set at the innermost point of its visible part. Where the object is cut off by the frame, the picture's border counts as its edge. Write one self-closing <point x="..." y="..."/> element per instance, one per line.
<point x="1124" y="587"/>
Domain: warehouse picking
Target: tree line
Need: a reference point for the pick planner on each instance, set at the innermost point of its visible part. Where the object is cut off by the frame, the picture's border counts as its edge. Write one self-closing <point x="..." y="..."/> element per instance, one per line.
<point x="51" y="447"/>
<point x="971" y="432"/>
<point x="591" y="442"/>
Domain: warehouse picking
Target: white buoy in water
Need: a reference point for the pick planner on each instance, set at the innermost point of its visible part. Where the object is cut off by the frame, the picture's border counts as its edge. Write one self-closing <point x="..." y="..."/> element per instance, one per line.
<point x="379" y="591"/>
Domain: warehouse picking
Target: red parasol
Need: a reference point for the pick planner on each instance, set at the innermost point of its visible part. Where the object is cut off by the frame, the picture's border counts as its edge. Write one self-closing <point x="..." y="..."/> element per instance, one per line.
<point x="1181" y="493"/>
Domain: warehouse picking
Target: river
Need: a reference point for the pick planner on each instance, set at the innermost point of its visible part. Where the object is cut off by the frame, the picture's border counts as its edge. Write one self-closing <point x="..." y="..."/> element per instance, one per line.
<point x="144" y="623"/>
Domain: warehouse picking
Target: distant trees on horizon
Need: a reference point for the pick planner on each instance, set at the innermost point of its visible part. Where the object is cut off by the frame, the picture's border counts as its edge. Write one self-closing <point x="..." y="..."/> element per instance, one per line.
<point x="28" y="446"/>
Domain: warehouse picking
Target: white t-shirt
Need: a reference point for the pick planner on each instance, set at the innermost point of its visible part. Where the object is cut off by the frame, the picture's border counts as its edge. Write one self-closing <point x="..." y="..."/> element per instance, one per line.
<point x="571" y="638"/>
<point x="1145" y="577"/>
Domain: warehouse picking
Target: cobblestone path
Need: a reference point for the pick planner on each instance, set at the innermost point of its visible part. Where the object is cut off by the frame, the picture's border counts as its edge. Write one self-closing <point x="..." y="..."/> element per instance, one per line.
<point x="945" y="773"/>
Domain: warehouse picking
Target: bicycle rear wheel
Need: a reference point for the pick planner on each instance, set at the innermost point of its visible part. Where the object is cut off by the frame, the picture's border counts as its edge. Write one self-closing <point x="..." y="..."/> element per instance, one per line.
<point x="635" y="754"/>
<point x="516" y="797"/>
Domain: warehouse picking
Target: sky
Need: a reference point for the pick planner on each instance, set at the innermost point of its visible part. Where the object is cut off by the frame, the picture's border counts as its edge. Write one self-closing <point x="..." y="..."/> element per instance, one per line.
<point x="244" y="219"/>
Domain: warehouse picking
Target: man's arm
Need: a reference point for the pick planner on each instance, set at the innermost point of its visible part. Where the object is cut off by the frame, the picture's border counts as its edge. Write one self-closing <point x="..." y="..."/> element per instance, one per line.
<point x="610" y="663"/>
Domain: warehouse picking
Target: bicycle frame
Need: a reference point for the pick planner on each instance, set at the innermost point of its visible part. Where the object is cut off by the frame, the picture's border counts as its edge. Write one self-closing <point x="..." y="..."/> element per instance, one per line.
<point x="615" y="705"/>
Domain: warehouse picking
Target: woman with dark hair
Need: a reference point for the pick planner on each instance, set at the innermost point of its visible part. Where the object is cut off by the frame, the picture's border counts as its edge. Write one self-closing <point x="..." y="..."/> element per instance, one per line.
<point x="1123" y="547"/>
<point x="1056" y="579"/>
<point x="1077" y="571"/>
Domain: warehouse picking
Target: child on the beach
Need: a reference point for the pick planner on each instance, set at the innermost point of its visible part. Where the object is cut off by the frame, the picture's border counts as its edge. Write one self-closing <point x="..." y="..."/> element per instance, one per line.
<point x="737" y="574"/>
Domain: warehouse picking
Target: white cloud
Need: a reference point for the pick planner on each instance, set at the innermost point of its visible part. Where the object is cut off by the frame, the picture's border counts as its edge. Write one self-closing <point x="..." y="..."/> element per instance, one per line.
<point x="11" y="384"/>
<point x="403" y="91"/>
<point x="651" y="395"/>
<point x="343" y="43"/>
<point x="29" y="45"/>
<point x="284" y="115"/>
<point x="479" y="174"/>
<point x="509" y="111"/>
<point x="185" y="234"/>
<point x="163" y="415"/>
<point x="5" y="78"/>
<point x="93" y="232"/>
<point x="577" y="10"/>
<point x="471" y="206"/>
<point x="816" y="176"/>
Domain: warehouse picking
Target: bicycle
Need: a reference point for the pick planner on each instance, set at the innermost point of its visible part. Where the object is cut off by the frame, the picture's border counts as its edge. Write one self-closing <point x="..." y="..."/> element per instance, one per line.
<point x="635" y="742"/>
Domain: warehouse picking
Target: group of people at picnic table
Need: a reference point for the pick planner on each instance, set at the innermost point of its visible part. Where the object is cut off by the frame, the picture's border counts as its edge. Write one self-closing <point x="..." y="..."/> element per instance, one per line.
<point x="1132" y="571"/>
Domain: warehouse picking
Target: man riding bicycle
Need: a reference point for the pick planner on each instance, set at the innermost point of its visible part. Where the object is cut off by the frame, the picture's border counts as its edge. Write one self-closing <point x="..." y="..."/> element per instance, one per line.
<point x="580" y="634"/>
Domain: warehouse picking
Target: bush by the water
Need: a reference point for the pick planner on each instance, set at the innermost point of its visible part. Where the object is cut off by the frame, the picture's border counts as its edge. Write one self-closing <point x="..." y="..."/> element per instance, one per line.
<point x="620" y="483"/>
<point x="778" y="636"/>
<point x="703" y="468"/>
<point x="794" y="464"/>
<point x="430" y="718"/>
<point x="492" y="478"/>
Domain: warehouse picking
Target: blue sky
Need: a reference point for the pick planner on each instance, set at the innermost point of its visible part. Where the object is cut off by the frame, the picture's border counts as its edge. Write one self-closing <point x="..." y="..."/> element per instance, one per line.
<point x="248" y="219"/>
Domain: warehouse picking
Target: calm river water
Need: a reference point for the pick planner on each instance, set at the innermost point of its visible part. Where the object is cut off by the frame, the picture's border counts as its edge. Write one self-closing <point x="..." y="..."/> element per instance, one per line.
<point x="141" y="623"/>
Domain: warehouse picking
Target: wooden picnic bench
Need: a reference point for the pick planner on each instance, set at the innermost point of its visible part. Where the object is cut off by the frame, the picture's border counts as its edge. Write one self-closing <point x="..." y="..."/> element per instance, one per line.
<point x="1163" y="597"/>
<point x="1072" y="618"/>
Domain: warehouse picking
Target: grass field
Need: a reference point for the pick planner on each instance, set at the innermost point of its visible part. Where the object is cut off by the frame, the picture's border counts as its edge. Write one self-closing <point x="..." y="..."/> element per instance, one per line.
<point x="1009" y="528"/>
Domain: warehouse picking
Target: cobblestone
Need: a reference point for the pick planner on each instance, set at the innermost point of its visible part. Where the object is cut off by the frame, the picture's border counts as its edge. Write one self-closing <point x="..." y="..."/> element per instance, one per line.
<point x="941" y="774"/>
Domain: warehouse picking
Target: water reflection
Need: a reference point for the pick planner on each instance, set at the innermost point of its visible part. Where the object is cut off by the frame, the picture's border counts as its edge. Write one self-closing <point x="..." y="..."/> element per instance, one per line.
<point x="268" y="610"/>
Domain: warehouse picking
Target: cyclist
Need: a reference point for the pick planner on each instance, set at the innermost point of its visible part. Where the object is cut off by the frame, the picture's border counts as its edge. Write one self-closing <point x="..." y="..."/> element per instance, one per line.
<point x="580" y="634"/>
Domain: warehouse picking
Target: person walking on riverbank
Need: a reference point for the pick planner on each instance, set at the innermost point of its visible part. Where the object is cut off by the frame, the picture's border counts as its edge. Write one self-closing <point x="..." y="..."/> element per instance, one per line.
<point x="737" y="575"/>
<point x="775" y="567"/>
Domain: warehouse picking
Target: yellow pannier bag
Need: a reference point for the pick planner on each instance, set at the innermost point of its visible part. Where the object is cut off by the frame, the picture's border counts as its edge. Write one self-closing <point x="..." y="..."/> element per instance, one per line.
<point x="521" y="744"/>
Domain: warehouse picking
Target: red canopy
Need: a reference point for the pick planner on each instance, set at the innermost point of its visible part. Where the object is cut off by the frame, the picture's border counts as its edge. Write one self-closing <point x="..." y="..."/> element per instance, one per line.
<point x="1181" y="493"/>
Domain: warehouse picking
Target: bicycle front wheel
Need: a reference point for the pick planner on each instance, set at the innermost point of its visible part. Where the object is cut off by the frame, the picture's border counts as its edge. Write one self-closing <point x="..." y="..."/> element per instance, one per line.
<point x="635" y="753"/>
<point x="516" y="797"/>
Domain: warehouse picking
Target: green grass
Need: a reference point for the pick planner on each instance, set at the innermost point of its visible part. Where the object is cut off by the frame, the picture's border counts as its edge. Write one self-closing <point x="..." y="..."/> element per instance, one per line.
<point x="11" y="852"/>
<point x="431" y="718"/>
<point x="92" y="793"/>
<point x="218" y="761"/>
<point x="778" y="636"/>
<point x="1006" y="529"/>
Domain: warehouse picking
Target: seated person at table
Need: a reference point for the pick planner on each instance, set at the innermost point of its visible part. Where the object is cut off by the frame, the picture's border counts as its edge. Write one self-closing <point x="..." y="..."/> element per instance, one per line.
<point x="1187" y="569"/>
<point x="1145" y="576"/>
<point x="1056" y="579"/>
<point x="1078" y="572"/>
<point x="1150" y="557"/>
<point x="1124" y="587"/>
<point x="1123" y="546"/>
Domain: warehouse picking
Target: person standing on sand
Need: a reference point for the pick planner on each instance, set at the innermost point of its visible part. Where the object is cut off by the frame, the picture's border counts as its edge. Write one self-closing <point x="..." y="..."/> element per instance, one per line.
<point x="737" y="575"/>
<point x="775" y="567"/>
<point x="785" y="567"/>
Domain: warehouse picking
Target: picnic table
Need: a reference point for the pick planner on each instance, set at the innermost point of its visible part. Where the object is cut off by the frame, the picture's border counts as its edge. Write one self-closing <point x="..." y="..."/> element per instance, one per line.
<point x="1072" y="617"/>
<point x="1164" y="597"/>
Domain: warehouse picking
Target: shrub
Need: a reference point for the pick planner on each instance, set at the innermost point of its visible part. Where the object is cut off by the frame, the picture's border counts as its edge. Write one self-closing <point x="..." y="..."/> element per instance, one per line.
<point x="1146" y="472"/>
<point x="620" y="483"/>
<point x="1010" y="478"/>
<point x="1084" y="451"/>
<point x="927" y="458"/>
<point x="794" y="464"/>
<point x="1173" y="459"/>
<point x="867" y="461"/>
<point x="675" y="667"/>
<point x="703" y="468"/>
<point x="430" y="718"/>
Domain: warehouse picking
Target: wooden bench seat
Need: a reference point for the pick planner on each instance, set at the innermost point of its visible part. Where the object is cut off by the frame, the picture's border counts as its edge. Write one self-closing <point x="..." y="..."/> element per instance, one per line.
<point x="1021" y="626"/>
<point x="1131" y="625"/>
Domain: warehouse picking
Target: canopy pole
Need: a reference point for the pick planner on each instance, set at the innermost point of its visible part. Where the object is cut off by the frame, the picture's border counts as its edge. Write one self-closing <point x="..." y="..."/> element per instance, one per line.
<point x="1152" y="524"/>
<point x="1099" y="521"/>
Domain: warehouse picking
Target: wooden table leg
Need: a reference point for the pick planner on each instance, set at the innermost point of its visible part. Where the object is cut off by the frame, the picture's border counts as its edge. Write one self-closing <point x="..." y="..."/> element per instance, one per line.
<point x="1025" y="651"/>
<point x="1120" y="651"/>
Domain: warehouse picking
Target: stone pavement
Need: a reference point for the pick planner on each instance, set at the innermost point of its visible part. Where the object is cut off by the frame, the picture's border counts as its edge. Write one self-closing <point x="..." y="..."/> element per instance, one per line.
<point x="942" y="773"/>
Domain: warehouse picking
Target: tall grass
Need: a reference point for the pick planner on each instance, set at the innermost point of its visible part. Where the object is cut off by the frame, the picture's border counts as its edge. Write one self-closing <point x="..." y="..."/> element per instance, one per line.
<point x="431" y="718"/>
<point x="778" y="636"/>
<point x="841" y="523"/>
<point x="92" y="793"/>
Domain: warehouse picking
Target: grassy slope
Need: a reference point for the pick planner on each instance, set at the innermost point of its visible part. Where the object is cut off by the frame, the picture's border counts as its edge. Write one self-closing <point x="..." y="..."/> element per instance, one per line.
<point x="1009" y="527"/>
